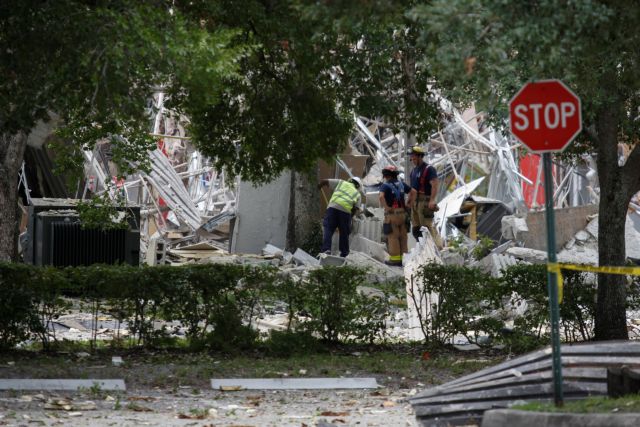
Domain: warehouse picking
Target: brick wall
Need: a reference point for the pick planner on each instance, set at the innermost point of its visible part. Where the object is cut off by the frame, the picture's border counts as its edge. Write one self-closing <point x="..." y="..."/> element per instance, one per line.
<point x="568" y="222"/>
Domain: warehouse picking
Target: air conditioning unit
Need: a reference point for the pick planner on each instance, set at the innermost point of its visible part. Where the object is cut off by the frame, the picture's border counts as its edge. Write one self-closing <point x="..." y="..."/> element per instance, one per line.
<point x="55" y="237"/>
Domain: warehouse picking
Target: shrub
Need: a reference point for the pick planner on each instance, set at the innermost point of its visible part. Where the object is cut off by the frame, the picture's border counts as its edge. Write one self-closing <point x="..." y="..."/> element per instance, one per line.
<point x="18" y="304"/>
<point x="48" y="284"/>
<point x="452" y="300"/>
<point x="287" y="343"/>
<point x="578" y="307"/>
<point x="338" y="310"/>
<point x="525" y="287"/>
<point x="528" y="286"/>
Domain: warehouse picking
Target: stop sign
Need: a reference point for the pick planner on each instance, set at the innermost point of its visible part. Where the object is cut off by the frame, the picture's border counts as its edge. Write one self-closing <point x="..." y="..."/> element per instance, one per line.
<point x="545" y="115"/>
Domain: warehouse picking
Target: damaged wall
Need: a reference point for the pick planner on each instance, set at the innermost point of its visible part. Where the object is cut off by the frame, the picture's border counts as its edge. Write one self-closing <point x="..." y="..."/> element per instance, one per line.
<point x="262" y="214"/>
<point x="568" y="222"/>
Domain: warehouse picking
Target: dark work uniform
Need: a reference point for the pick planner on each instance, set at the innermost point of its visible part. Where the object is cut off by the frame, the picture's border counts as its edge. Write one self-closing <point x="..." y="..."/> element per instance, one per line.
<point x="394" y="192"/>
<point x="421" y="215"/>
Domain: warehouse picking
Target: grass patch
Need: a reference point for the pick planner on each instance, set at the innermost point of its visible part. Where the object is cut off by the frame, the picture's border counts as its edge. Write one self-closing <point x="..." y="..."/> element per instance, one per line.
<point x="589" y="405"/>
<point x="393" y="366"/>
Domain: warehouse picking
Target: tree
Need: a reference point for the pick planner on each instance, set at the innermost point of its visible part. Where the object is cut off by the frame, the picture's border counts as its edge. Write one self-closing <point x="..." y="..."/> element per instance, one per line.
<point x="315" y="65"/>
<point x="290" y="102"/>
<point x="96" y="64"/>
<point x="485" y="50"/>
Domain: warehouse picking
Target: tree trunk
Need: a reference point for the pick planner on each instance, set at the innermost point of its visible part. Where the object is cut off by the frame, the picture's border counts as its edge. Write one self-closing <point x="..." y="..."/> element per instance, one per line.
<point x="615" y="194"/>
<point x="11" y="154"/>
<point x="304" y="208"/>
<point x="290" y="240"/>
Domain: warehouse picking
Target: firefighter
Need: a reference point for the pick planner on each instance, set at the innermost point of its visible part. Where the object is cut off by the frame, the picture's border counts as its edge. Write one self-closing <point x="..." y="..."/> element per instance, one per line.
<point x="423" y="195"/>
<point x="345" y="202"/>
<point x="392" y="199"/>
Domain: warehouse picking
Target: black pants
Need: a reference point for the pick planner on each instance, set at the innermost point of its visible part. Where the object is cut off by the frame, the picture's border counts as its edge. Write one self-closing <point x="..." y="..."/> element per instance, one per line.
<point x="335" y="218"/>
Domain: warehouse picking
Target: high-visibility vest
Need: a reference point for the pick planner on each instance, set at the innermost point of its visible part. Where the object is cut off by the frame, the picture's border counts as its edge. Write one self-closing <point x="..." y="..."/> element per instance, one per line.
<point x="346" y="195"/>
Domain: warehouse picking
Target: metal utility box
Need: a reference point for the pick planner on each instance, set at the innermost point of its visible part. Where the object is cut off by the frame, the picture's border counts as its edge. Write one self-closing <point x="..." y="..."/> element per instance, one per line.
<point x="56" y="237"/>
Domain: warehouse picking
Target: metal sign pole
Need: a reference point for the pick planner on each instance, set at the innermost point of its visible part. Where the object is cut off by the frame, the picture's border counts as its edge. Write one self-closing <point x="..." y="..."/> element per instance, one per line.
<point x="553" y="282"/>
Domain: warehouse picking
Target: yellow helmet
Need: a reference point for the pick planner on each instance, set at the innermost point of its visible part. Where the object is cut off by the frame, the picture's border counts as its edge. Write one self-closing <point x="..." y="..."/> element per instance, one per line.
<point x="416" y="149"/>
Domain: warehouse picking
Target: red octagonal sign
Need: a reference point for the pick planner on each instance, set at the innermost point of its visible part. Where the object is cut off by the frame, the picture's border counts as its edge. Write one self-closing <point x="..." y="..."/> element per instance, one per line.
<point x="545" y="115"/>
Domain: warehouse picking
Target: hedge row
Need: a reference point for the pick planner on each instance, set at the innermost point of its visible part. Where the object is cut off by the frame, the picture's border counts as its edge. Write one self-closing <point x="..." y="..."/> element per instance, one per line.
<point x="512" y="309"/>
<point x="216" y="303"/>
<point x="212" y="302"/>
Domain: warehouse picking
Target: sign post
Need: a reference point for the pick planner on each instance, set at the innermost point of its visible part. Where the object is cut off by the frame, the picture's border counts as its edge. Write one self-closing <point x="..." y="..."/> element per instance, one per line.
<point x="546" y="116"/>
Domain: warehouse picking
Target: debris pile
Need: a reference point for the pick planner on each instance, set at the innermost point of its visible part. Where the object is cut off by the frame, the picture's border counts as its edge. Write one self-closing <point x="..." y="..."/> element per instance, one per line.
<point x="490" y="199"/>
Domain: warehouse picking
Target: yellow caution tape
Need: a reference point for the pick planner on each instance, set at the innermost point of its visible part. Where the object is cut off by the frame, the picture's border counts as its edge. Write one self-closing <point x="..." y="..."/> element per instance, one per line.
<point x="557" y="267"/>
<point x="554" y="267"/>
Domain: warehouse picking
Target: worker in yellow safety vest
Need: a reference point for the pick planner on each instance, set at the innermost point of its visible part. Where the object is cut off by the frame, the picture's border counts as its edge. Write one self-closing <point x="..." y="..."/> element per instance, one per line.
<point x="345" y="202"/>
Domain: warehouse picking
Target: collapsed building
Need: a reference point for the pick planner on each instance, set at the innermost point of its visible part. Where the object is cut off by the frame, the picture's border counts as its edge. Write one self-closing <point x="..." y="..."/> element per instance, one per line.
<point x="188" y="211"/>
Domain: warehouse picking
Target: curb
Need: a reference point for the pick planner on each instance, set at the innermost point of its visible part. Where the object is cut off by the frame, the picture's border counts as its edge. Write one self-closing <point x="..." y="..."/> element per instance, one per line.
<point x="513" y="418"/>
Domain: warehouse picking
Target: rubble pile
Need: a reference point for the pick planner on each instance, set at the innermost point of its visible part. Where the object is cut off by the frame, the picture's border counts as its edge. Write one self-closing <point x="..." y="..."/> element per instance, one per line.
<point x="490" y="198"/>
<point x="190" y="210"/>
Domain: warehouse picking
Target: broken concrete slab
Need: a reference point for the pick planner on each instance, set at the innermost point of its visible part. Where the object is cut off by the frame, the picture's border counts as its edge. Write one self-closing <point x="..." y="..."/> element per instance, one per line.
<point x="592" y="227"/>
<point x="534" y="256"/>
<point x="585" y="253"/>
<point x="514" y="227"/>
<point x="378" y="271"/>
<point x="370" y="292"/>
<point x="292" y="383"/>
<point x="583" y="249"/>
<point x="569" y="221"/>
<point x="373" y="249"/>
<point x="326" y="259"/>
<point x="582" y="236"/>
<point x="272" y="250"/>
<point x="494" y="264"/>
<point x="61" y="384"/>
<point x="503" y="247"/>
<point x="452" y="258"/>
<point x="303" y="258"/>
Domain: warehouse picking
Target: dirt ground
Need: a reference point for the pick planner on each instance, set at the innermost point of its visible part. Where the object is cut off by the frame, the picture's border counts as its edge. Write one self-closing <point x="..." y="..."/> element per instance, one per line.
<point x="213" y="408"/>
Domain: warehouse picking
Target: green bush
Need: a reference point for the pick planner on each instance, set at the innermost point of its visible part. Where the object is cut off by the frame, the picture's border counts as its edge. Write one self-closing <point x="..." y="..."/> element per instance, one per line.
<point x="18" y="304"/>
<point x="216" y="304"/>
<point x="48" y="284"/>
<point x="526" y="285"/>
<point x="210" y="300"/>
<point x="213" y="302"/>
<point x="452" y="300"/>
<point x="287" y="344"/>
<point x="578" y="307"/>
<point x="337" y="310"/>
